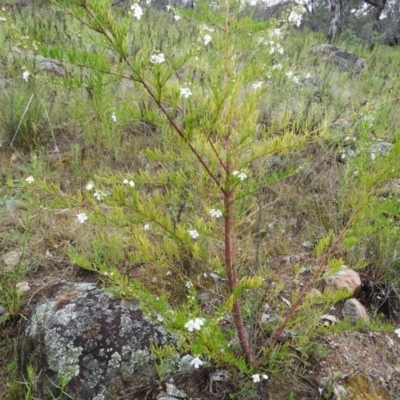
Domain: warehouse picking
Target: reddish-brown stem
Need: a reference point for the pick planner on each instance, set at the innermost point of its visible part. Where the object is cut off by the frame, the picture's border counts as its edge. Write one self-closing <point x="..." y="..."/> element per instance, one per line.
<point x="231" y="268"/>
<point x="307" y="287"/>
<point x="227" y="191"/>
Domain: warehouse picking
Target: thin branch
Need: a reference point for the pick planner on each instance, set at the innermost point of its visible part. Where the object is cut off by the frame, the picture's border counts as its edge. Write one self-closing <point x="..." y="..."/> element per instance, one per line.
<point x="313" y="279"/>
<point x="51" y="129"/>
<point x="180" y="133"/>
<point x="171" y="120"/>
<point x="22" y="118"/>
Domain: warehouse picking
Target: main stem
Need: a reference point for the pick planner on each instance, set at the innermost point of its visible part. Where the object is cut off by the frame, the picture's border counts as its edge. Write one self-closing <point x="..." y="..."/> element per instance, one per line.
<point x="230" y="264"/>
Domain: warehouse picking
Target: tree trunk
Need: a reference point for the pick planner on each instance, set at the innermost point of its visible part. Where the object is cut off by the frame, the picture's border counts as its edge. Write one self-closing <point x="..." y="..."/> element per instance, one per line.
<point x="379" y="7"/>
<point x="335" y="27"/>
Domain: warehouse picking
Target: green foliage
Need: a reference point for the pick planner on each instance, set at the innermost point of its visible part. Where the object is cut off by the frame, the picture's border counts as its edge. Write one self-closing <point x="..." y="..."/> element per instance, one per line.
<point x="216" y="130"/>
<point x="323" y="244"/>
<point x="11" y="295"/>
<point x="250" y="111"/>
<point x="28" y="383"/>
<point x="373" y="236"/>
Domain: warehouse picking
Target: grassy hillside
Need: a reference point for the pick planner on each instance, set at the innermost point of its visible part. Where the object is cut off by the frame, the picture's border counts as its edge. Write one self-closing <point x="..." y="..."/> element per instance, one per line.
<point x="100" y="182"/>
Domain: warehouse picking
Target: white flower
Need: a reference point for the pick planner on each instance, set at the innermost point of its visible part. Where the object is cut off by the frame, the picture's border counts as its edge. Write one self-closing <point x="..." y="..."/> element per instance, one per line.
<point x="215" y="213"/>
<point x="146" y="227"/>
<point x="177" y="17"/>
<point x="130" y="183"/>
<point x="257" y="85"/>
<point x="369" y="119"/>
<point x="2" y="19"/>
<point x="157" y="58"/>
<point x="275" y="32"/>
<point x="295" y="18"/>
<point x="114" y="117"/>
<point x="276" y="66"/>
<point x="25" y="75"/>
<point x="81" y="217"/>
<point x="189" y="284"/>
<point x="196" y="362"/>
<point x="160" y="318"/>
<point x="99" y="194"/>
<point x="289" y="74"/>
<point x="89" y="186"/>
<point x="168" y="8"/>
<point x="241" y="175"/>
<point x="185" y="92"/>
<point x="30" y="179"/>
<point x="194" y="324"/>
<point x="206" y="39"/>
<point x="193" y="233"/>
<point x="397" y="332"/>
<point x="295" y="80"/>
<point x="137" y="10"/>
<point x="256" y="378"/>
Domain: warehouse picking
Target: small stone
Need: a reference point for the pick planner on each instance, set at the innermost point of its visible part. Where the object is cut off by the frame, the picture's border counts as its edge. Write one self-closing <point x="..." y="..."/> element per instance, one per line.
<point x="12" y="205"/>
<point x="269" y="317"/>
<point x="204" y="296"/>
<point x="346" y="279"/>
<point x="5" y="82"/>
<point x="340" y="392"/>
<point x="12" y="259"/>
<point x="172" y="390"/>
<point x="23" y="286"/>
<point x="3" y="311"/>
<point x="163" y="396"/>
<point x="51" y="67"/>
<point x="354" y="311"/>
<point x="292" y="259"/>
<point x="220" y="375"/>
<point x="304" y="270"/>
<point x="330" y="318"/>
<point x="315" y="292"/>
<point x="380" y="147"/>
<point x="308" y="244"/>
<point x="389" y="340"/>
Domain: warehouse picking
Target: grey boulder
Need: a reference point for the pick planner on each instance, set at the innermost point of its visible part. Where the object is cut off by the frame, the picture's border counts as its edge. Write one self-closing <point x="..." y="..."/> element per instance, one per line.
<point x="95" y="343"/>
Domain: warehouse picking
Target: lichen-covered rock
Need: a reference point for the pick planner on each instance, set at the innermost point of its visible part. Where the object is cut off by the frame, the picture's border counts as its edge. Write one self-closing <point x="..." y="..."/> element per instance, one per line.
<point x="98" y="344"/>
<point x="52" y="67"/>
<point x="339" y="56"/>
